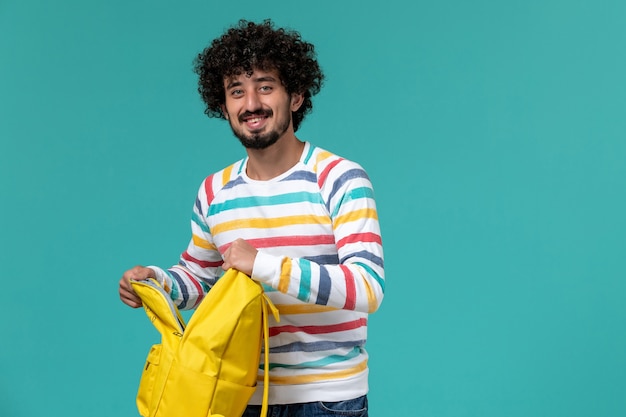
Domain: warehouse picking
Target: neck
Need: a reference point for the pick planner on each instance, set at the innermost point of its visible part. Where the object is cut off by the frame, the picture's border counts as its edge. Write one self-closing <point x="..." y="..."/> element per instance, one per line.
<point x="268" y="163"/>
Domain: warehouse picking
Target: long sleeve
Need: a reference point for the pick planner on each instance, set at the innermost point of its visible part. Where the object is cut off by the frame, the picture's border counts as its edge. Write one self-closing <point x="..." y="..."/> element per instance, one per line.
<point x="354" y="280"/>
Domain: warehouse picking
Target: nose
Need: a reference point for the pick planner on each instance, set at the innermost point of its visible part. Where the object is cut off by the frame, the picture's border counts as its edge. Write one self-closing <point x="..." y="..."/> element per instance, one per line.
<point x="253" y="103"/>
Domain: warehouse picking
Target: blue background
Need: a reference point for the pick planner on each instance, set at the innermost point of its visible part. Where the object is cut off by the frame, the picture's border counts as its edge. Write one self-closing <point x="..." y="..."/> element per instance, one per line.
<point x="494" y="134"/>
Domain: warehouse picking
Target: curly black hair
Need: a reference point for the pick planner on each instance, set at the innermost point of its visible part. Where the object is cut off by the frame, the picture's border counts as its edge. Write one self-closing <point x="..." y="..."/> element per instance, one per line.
<point x="248" y="46"/>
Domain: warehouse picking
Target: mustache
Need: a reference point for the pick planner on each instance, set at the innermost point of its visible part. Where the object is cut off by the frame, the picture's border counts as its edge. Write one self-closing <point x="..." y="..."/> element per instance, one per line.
<point x="257" y="113"/>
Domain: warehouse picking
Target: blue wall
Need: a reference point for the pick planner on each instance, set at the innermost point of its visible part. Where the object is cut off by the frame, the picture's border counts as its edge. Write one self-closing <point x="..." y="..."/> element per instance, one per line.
<point x="494" y="134"/>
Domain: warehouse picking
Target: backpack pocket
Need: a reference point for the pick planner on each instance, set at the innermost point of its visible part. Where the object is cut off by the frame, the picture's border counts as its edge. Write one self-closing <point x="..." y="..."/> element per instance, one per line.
<point x="231" y="398"/>
<point x="211" y="396"/>
<point x="148" y="378"/>
<point x="184" y="383"/>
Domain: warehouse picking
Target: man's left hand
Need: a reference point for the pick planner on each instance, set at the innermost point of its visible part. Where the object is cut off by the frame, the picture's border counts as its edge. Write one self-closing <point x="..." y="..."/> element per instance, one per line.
<point x="240" y="256"/>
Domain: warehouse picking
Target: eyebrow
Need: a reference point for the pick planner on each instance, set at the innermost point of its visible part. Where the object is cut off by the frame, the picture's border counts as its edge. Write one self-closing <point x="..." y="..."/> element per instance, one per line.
<point x="232" y="84"/>
<point x="263" y="79"/>
<point x="267" y="78"/>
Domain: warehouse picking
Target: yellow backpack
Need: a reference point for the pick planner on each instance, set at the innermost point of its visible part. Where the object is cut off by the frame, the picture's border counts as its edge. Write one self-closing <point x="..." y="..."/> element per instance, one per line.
<point x="208" y="367"/>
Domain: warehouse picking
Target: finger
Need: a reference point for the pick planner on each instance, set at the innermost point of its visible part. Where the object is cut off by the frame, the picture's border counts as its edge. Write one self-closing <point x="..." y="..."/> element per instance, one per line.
<point x="128" y="295"/>
<point x="132" y="302"/>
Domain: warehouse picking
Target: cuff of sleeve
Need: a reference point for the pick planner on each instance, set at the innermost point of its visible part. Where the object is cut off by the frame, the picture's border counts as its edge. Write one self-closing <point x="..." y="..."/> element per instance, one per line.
<point x="266" y="269"/>
<point x="161" y="275"/>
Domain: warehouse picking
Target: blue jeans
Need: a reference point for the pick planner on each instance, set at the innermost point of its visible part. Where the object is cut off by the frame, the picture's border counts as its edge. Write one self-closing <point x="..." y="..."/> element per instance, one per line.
<point x="353" y="408"/>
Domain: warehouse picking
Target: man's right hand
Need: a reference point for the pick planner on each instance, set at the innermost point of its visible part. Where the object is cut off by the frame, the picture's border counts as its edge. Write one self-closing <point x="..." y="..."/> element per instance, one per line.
<point x="127" y="295"/>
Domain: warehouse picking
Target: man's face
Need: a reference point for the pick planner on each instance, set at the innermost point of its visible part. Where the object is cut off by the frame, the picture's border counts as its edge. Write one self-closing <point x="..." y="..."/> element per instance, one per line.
<point x="258" y="108"/>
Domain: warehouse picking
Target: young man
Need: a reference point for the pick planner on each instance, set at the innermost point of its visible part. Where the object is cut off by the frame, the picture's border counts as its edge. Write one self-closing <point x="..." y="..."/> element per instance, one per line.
<point x="298" y="219"/>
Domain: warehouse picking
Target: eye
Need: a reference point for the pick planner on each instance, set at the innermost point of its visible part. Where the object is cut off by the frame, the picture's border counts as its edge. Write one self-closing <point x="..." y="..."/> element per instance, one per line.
<point x="265" y="89"/>
<point x="236" y="92"/>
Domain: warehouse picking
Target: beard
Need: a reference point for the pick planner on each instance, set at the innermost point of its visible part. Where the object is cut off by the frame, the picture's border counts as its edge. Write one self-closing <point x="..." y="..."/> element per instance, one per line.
<point x="258" y="140"/>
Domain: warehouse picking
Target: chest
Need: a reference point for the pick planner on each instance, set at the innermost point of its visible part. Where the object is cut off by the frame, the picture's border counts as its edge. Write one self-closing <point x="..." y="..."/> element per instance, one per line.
<point x="268" y="217"/>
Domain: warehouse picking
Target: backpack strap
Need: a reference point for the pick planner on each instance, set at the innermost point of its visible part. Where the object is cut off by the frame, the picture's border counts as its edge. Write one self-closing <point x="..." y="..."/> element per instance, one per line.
<point x="267" y="303"/>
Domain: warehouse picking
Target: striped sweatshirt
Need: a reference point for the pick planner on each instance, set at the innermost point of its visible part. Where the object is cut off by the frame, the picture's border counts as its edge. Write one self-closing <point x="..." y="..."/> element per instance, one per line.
<point x="320" y="260"/>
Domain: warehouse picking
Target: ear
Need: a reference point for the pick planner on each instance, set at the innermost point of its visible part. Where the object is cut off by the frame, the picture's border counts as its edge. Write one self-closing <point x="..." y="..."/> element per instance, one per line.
<point x="296" y="101"/>
<point x="224" y="112"/>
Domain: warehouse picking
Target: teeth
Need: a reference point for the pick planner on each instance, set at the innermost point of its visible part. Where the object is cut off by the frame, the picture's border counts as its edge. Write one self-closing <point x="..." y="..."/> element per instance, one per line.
<point x="255" y="120"/>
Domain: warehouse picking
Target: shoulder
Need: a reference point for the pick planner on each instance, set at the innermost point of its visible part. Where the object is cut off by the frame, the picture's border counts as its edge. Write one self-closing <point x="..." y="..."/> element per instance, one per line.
<point x="330" y="167"/>
<point x="219" y="180"/>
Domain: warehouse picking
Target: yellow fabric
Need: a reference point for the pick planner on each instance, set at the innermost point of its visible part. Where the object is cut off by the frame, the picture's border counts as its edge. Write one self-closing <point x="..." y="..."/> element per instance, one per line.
<point x="208" y="367"/>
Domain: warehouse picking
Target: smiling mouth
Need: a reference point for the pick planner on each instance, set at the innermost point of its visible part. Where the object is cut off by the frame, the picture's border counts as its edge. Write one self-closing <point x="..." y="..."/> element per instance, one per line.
<point x="255" y="122"/>
<point x="255" y="117"/>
